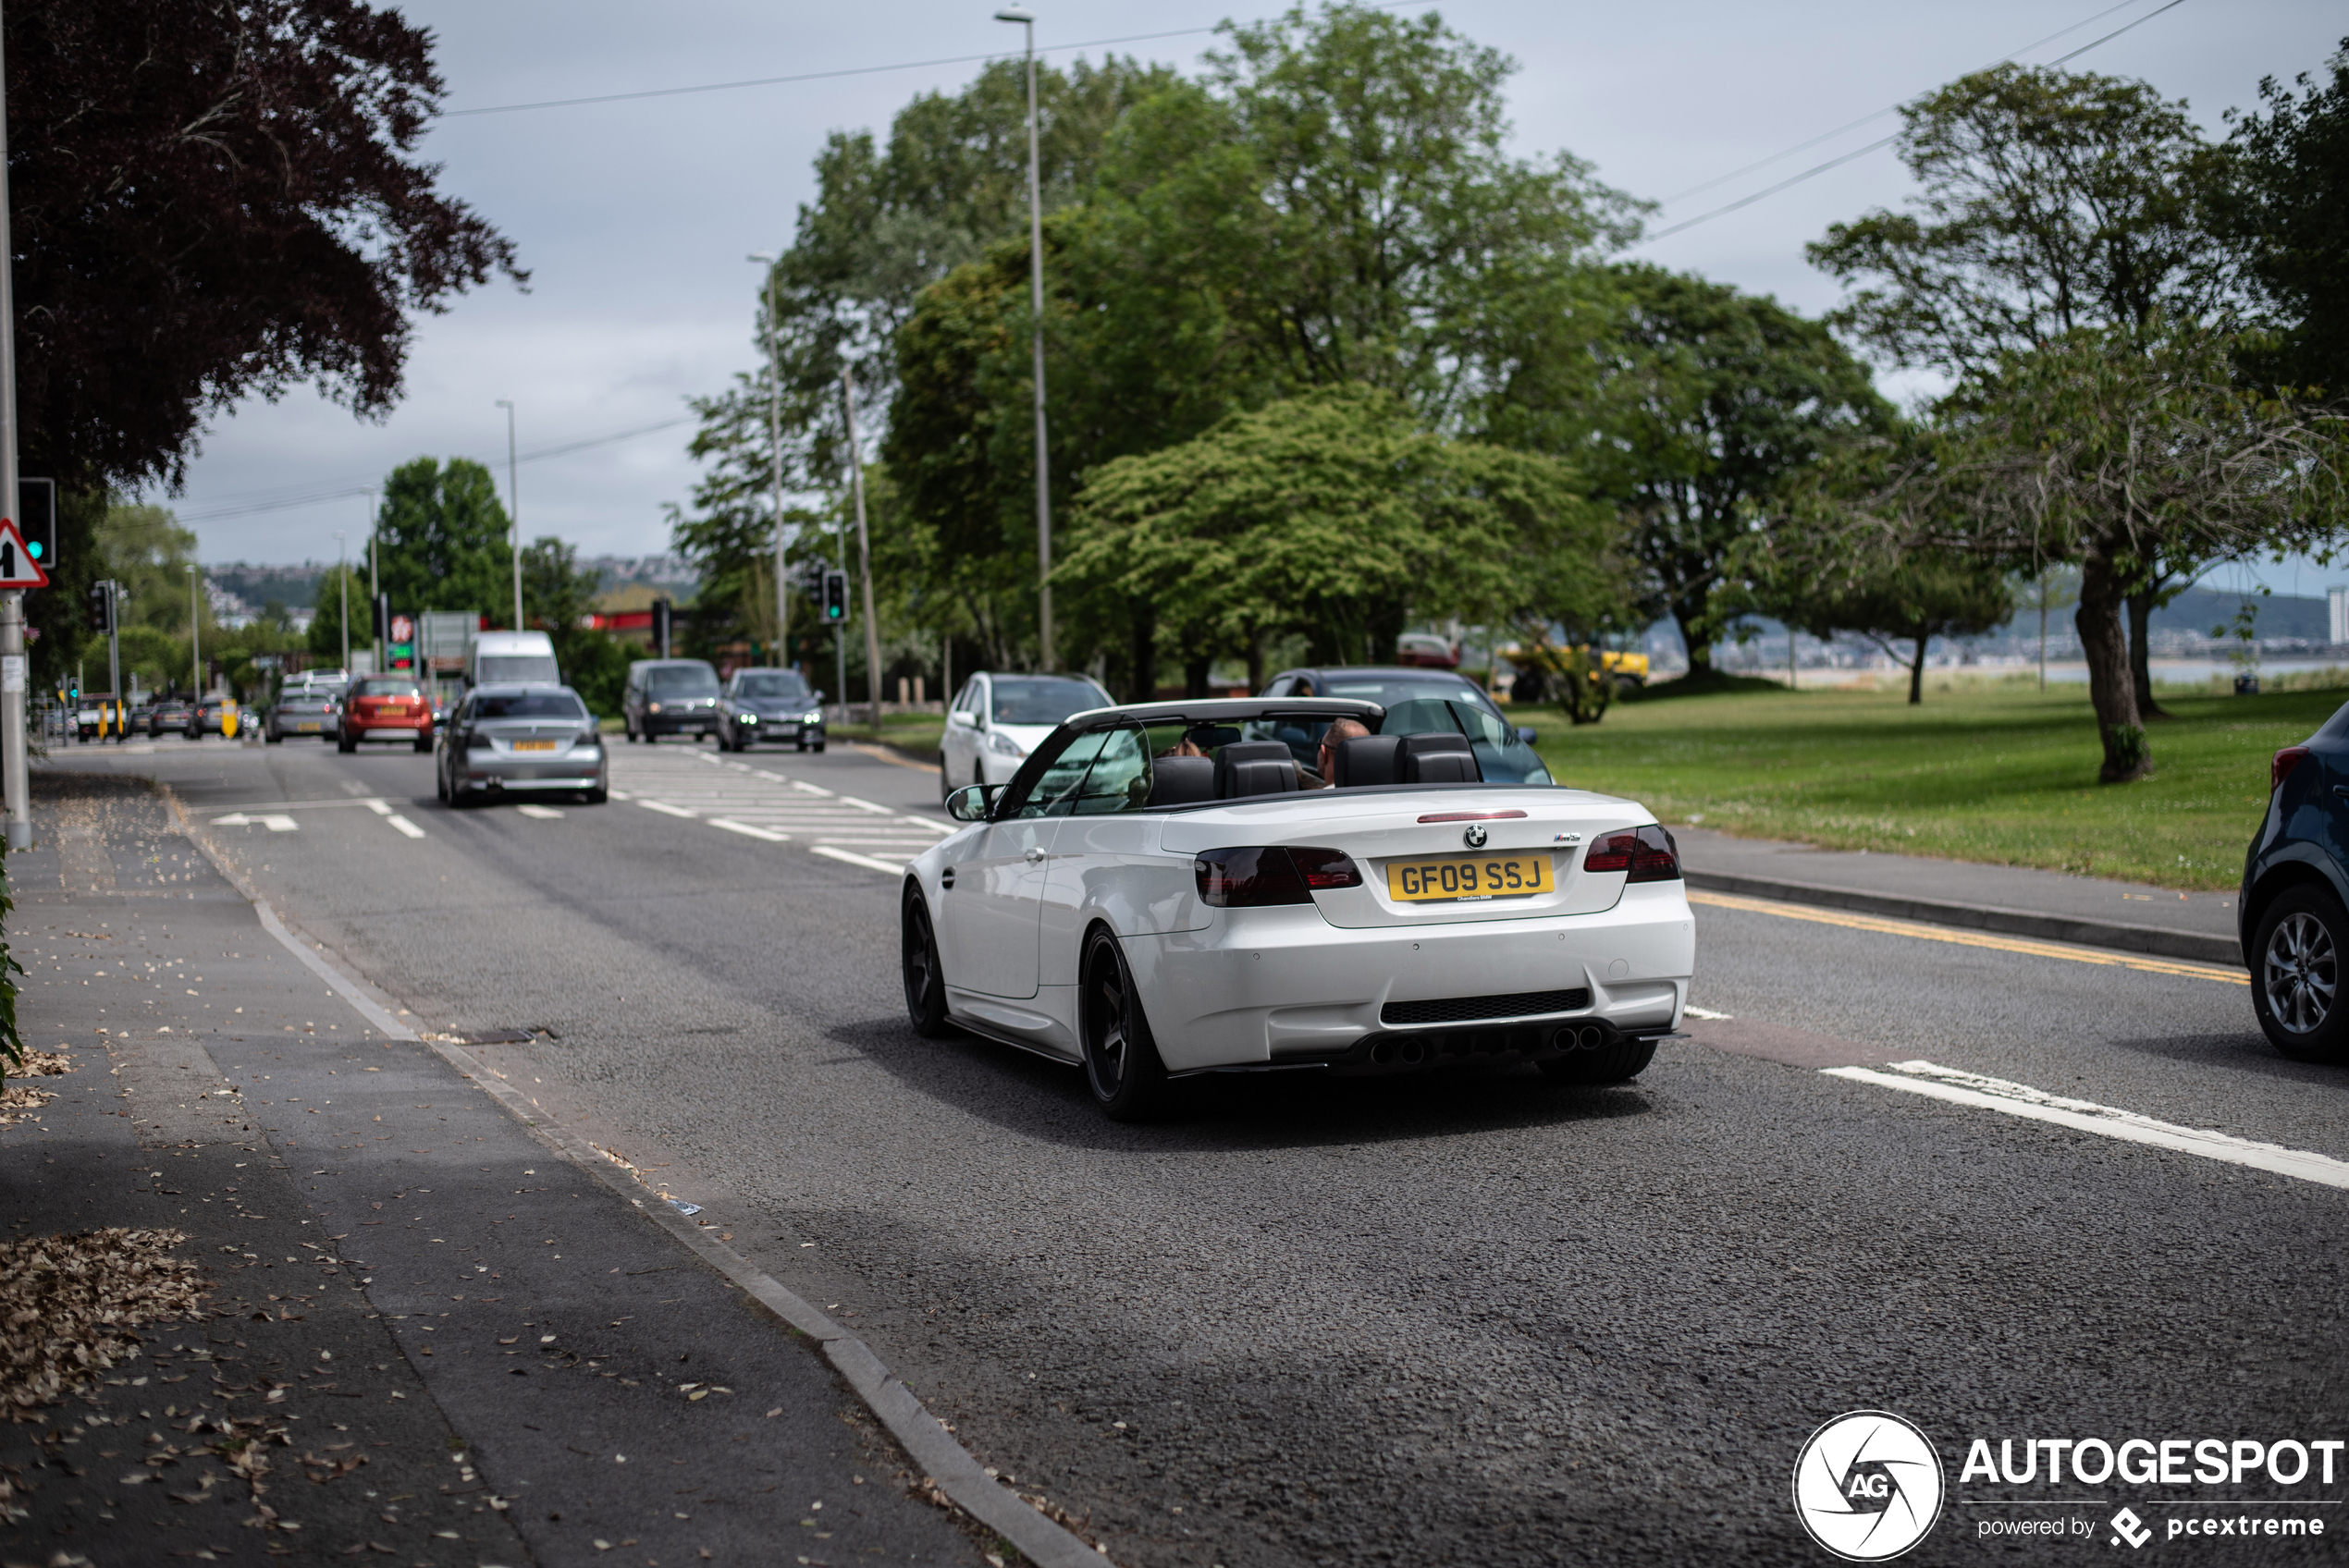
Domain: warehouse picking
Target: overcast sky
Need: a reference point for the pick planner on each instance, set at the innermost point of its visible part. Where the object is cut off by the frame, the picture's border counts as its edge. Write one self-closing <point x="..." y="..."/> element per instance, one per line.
<point x="634" y="217"/>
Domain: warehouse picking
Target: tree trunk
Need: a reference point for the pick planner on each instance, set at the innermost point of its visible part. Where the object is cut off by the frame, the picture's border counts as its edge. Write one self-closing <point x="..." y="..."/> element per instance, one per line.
<point x="2112" y="691"/>
<point x="1255" y="662"/>
<point x="1195" y="673"/>
<point x="1699" y="650"/>
<point x="1916" y="670"/>
<point x="2140" y="658"/>
<point x="1145" y="671"/>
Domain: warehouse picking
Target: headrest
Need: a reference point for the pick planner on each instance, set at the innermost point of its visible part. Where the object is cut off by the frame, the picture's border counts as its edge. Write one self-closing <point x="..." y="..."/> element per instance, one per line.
<point x="1181" y="781"/>
<point x="1254" y="767"/>
<point x="1440" y="758"/>
<point x="1364" y="760"/>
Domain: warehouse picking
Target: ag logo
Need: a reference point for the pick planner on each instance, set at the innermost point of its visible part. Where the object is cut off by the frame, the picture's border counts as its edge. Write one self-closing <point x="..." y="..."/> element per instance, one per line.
<point x="1867" y="1486"/>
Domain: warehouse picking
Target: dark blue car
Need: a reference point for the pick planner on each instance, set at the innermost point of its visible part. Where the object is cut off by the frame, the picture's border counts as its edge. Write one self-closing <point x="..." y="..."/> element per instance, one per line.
<point x="2294" y="915"/>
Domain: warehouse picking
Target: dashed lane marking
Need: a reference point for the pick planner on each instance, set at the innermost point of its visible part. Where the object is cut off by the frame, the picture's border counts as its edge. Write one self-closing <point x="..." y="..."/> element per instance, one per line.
<point x="543" y="814"/>
<point x="747" y="831"/>
<point x="887" y="868"/>
<point x="274" y="822"/>
<point x="1958" y="1087"/>
<point x="668" y="810"/>
<point x="405" y="828"/>
<point x="1964" y="938"/>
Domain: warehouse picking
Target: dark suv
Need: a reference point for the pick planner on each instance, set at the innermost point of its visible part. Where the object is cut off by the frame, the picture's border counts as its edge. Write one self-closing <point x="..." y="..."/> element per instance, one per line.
<point x="669" y="697"/>
<point x="2293" y="914"/>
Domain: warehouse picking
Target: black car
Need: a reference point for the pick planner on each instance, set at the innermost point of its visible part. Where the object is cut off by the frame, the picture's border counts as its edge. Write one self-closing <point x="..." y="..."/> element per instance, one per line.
<point x="1416" y="700"/>
<point x="166" y="713"/>
<point x="2291" y="915"/>
<point x="669" y="697"/>
<point x="770" y="705"/>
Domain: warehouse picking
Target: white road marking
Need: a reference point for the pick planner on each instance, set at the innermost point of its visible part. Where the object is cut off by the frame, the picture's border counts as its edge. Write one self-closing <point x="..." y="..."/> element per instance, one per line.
<point x="544" y="814"/>
<point x="867" y="806"/>
<point x="1705" y="1012"/>
<point x="803" y="784"/>
<point x="624" y="795"/>
<point x="274" y="822"/>
<point x="404" y="825"/>
<point x="2086" y="1116"/>
<point x="746" y="829"/>
<point x="378" y="807"/>
<point x="668" y="810"/>
<point x="869" y="863"/>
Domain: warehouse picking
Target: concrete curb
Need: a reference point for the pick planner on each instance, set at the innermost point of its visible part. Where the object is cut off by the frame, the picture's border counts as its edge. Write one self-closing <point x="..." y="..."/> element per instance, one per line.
<point x="947" y="1462"/>
<point x="2078" y="929"/>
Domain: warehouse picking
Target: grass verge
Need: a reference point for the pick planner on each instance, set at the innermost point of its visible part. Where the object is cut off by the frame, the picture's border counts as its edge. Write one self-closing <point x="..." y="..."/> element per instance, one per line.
<point x="2003" y="774"/>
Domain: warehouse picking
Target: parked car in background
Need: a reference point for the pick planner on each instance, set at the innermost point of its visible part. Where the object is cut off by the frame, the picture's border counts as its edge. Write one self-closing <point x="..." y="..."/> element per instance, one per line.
<point x="770" y="705"/>
<point x="669" y="697"/>
<point x="385" y="707"/>
<point x="1424" y="650"/>
<point x="2293" y="916"/>
<point x="166" y="713"/>
<point x="300" y="712"/>
<point x="512" y="658"/>
<point x="531" y="740"/>
<point x="1418" y="700"/>
<point x="213" y="716"/>
<point x="996" y="720"/>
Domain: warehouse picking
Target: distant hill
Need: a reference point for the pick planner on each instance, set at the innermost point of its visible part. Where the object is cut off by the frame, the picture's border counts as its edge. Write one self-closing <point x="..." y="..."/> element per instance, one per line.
<point x="296" y="587"/>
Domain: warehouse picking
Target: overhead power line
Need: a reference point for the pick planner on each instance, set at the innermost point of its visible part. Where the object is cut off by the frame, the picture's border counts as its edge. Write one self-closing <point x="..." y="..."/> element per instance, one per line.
<point x="1878" y="145"/>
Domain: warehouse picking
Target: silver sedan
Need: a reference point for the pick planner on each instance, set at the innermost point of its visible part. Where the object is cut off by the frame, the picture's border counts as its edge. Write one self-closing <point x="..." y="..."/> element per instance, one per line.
<point x="522" y="740"/>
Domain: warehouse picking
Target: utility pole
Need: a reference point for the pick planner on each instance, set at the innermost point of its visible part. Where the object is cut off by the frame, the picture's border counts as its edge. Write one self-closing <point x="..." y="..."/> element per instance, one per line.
<point x="343" y="577"/>
<point x="113" y="657"/>
<point x="775" y="446"/>
<point x="195" y="637"/>
<point x="374" y="587"/>
<point x="16" y="779"/>
<point x="864" y="556"/>
<point x="1035" y="310"/>
<point x="513" y="507"/>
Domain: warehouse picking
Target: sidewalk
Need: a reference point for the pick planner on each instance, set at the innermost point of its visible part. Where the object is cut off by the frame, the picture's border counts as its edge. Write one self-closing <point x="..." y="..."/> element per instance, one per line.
<point x="427" y="1338"/>
<point x="2045" y="904"/>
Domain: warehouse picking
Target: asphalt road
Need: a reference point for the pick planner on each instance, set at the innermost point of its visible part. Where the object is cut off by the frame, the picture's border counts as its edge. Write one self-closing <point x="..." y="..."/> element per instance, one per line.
<point x="1477" y="1319"/>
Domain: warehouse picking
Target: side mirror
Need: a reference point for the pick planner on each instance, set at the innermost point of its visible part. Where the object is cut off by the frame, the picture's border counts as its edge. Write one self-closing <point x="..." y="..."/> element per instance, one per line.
<point x="1528" y="734"/>
<point x="972" y="802"/>
<point x="819" y="690"/>
<point x="963" y="717"/>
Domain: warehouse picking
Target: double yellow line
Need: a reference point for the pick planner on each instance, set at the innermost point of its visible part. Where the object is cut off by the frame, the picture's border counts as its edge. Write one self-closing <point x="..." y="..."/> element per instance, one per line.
<point x="1964" y="939"/>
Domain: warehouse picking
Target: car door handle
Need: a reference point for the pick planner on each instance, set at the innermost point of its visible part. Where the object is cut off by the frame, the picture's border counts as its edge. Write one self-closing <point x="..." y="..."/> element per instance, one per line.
<point x="2341" y="791"/>
<point x="1033" y="856"/>
<point x="946" y="880"/>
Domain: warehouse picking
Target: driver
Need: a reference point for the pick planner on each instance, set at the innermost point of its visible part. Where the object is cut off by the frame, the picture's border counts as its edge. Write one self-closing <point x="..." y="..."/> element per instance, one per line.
<point x="1325" y="762"/>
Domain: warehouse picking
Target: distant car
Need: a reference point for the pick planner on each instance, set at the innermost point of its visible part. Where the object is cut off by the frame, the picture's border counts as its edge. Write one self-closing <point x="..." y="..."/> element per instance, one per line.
<point x="1425" y="650"/>
<point x="2292" y="915"/>
<point x="996" y="720"/>
<point x="297" y="712"/>
<point x="770" y="705"/>
<point x="166" y="713"/>
<point x="669" y="697"/>
<point x="385" y="707"/>
<point x="516" y="739"/>
<point x="1418" y="700"/>
<point x="213" y="716"/>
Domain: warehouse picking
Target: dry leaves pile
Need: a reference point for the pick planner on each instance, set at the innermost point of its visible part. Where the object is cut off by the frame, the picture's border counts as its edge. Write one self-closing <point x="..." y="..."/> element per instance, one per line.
<point x="17" y="1099"/>
<point x="68" y="1305"/>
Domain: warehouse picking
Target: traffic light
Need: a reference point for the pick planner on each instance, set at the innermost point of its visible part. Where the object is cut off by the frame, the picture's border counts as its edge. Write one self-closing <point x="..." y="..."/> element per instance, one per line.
<point x="101" y="608"/>
<point x="835" y="596"/>
<point x="811" y="579"/>
<point x="37" y="518"/>
<point x="382" y="617"/>
<point x="661" y="626"/>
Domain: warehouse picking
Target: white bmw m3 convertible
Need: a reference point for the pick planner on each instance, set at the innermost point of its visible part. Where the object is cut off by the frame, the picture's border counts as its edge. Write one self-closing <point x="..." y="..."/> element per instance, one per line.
<point x="1171" y="889"/>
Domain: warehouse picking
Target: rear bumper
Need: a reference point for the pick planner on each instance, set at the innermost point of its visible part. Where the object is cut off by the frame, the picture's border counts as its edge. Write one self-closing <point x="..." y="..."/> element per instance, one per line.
<point x="580" y="768"/>
<point x="1271" y="987"/>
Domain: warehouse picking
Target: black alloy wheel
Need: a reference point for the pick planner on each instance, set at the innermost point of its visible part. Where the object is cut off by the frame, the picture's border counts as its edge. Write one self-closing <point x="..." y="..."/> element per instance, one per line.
<point x="925" y="981"/>
<point x="1618" y="1063"/>
<point x="2296" y="988"/>
<point x="1122" y="1064"/>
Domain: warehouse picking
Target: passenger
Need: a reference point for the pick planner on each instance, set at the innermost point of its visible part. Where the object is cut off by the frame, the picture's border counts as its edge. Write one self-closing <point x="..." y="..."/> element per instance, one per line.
<point x="1343" y="729"/>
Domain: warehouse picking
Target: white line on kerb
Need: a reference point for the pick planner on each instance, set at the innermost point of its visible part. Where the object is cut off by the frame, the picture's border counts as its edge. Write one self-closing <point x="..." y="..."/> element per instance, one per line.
<point x="1948" y="1083"/>
<point x="868" y="862"/>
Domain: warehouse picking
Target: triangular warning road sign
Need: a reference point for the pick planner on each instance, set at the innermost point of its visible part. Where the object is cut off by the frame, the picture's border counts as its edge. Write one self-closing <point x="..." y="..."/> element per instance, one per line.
<point x="18" y="569"/>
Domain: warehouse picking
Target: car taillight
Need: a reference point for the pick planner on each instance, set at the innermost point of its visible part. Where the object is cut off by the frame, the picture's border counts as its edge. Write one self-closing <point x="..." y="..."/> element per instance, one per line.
<point x="2280" y="766"/>
<point x="1246" y="878"/>
<point x="1648" y="854"/>
<point x="1326" y="868"/>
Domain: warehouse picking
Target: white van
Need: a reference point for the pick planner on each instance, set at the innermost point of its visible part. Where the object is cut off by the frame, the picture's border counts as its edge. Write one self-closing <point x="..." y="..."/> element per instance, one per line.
<point x="512" y="658"/>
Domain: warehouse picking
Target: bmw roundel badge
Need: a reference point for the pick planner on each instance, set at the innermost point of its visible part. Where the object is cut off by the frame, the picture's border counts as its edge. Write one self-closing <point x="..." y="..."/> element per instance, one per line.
<point x="1475" y="836"/>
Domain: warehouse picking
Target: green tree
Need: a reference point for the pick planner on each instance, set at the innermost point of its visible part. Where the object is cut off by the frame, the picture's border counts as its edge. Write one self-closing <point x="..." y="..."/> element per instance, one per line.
<point x="558" y="596"/>
<point x="2286" y="205"/>
<point x="1903" y="603"/>
<point x="1707" y="404"/>
<point x="442" y="542"/>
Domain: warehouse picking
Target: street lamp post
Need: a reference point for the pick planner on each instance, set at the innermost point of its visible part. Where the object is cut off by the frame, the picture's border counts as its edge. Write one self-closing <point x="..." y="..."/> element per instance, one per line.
<point x="195" y="637"/>
<point x="15" y="782"/>
<point x="1036" y="333"/>
<point x="775" y="448"/>
<point x="513" y="507"/>
<point x="865" y="559"/>
<point x="344" y="578"/>
<point x="374" y="594"/>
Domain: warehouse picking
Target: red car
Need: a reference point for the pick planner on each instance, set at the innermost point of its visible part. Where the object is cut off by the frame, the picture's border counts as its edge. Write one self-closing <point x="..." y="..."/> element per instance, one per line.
<point x="1425" y="650"/>
<point x="385" y="707"/>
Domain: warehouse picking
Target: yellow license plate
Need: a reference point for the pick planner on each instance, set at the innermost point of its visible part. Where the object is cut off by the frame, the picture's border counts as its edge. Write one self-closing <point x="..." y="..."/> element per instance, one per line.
<point x="534" y="745"/>
<point x="1468" y="876"/>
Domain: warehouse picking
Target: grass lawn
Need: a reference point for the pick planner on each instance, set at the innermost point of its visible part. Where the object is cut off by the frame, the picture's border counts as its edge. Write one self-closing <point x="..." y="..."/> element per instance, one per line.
<point x="1981" y="771"/>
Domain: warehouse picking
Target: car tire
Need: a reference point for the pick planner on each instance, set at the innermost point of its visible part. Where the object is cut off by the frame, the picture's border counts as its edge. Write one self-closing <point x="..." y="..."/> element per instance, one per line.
<point x="345" y="744"/>
<point x="1621" y="1062"/>
<point x="424" y="743"/>
<point x="817" y="748"/>
<point x="925" y="980"/>
<point x="2295" y="978"/>
<point x="273" y="737"/>
<point x="945" y="781"/>
<point x="440" y="783"/>
<point x="1122" y="1065"/>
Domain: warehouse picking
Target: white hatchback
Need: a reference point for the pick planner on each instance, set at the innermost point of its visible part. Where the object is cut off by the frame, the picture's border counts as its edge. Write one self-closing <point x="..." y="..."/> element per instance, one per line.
<point x="1162" y="890"/>
<point x="996" y="720"/>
